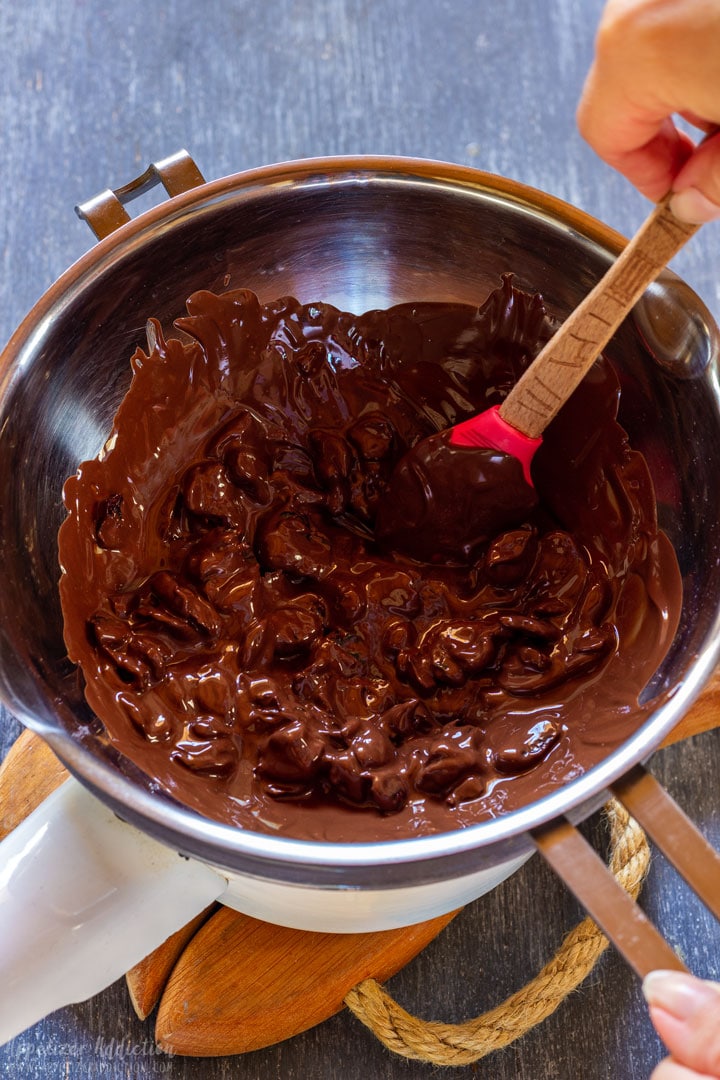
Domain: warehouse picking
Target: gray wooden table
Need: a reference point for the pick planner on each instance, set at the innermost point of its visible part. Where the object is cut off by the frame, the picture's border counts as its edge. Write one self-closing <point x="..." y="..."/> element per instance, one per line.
<point x="90" y="92"/>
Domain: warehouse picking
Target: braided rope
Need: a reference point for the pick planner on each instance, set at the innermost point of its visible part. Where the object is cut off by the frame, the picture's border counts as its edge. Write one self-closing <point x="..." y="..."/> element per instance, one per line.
<point x="464" y="1043"/>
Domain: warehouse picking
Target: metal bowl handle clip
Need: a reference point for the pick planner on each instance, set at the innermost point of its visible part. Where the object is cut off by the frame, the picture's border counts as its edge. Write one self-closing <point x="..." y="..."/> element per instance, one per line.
<point x="106" y="212"/>
<point x="585" y="874"/>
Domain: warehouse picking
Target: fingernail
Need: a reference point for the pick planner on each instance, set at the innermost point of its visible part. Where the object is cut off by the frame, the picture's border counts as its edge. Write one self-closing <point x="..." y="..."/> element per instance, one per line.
<point x="679" y="994"/>
<point x="692" y="206"/>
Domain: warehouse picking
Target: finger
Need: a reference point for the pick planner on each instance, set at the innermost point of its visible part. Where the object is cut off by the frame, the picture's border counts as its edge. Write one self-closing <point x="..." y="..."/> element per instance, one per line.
<point x="642" y="143"/>
<point x="697" y="185"/>
<point x="686" y="1014"/>
<point x="671" y="1070"/>
<point x="653" y="166"/>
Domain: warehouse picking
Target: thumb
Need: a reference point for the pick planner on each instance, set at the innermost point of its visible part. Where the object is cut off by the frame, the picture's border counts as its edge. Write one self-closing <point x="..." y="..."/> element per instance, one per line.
<point x="696" y="188"/>
<point x="686" y="1015"/>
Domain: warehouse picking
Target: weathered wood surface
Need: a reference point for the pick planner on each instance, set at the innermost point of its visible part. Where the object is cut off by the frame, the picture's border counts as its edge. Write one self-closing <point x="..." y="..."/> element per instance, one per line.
<point x="89" y="93"/>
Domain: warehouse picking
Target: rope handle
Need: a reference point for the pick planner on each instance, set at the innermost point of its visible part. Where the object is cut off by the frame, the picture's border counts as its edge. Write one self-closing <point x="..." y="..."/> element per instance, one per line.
<point x="462" y="1044"/>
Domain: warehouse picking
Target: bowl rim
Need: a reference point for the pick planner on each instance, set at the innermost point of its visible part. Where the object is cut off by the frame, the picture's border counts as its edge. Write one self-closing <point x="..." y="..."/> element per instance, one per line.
<point x="229" y="846"/>
<point x="351" y="168"/>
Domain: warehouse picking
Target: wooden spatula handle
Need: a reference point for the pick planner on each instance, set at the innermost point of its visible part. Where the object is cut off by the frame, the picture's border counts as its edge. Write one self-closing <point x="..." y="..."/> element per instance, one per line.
<point x="571" y="352"/>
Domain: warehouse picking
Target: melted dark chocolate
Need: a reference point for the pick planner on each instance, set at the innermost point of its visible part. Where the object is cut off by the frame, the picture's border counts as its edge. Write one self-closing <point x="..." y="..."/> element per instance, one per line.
<point x="444" y="503"/>
<point x="247" y="641"/>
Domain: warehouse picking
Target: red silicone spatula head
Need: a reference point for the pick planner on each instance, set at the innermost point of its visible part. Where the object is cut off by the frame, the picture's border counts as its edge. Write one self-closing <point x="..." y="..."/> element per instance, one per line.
<point x="490" y="430"/>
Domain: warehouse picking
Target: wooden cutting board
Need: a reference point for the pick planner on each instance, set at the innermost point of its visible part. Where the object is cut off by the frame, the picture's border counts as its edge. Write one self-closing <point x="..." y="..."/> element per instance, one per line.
<point x="226" y="983"/>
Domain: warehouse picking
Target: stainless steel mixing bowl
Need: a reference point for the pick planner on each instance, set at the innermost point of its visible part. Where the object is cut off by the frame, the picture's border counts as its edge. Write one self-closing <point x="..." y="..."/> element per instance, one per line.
<point x="359" y="233"/>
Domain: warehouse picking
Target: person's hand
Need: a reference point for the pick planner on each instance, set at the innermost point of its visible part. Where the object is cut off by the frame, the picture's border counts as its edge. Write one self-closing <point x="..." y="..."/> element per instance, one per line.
<point x="655" y="59"/>
<point x="686" y="1015"/>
